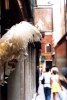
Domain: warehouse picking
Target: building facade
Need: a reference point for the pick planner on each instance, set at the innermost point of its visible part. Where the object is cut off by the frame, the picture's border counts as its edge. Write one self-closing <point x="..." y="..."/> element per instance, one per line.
<point x="43" y="20"/>
<point x="21" y="83"/>
<point x="61" y="53"/>
<point x="61" y="46"/>
<point x="56" y="25"/>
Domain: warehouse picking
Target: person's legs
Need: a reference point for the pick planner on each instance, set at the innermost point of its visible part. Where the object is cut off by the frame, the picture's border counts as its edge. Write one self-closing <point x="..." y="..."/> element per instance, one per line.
<point x="53" y="96"/>
<point x="47" y="92"/>
<point x="56" y="96"/>
<point x="37" y="86"/>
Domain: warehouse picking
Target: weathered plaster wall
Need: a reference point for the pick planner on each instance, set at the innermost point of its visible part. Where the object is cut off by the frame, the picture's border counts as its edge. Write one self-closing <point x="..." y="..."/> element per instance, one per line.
<point x="14" y="85"/>
<point x="30" y="75"/>
<point x="21" y="83"/>
<point x="61" y="55"/>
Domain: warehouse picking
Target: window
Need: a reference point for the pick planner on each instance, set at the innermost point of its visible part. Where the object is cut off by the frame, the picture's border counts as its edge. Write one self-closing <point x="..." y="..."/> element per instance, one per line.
<point x="48" y="47"/>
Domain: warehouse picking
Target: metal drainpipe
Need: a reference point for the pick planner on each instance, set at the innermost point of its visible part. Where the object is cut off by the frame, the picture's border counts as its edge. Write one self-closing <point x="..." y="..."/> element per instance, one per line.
<point x="24" y="79"/>
<point x="32" y="4"/>
<point x="4" y="71"/>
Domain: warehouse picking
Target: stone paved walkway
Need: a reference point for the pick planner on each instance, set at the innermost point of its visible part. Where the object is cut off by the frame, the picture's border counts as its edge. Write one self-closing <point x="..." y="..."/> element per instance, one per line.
<point x="41" y="94"/>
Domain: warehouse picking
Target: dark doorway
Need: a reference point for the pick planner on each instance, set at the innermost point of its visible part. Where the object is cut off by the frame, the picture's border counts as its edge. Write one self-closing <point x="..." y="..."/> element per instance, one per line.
<point x="49" y="64"/>
<point x="4" y="92"/>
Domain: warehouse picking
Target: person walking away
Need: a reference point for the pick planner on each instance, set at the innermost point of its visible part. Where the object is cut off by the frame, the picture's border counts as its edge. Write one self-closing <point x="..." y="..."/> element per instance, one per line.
<point x="47" y="84"/>
<point x="37" y="79"/>
<point x="55" y="85"/>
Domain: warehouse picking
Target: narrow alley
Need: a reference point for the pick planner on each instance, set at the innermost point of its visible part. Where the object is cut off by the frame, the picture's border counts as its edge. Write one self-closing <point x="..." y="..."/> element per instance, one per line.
<point x="33" y="40"/>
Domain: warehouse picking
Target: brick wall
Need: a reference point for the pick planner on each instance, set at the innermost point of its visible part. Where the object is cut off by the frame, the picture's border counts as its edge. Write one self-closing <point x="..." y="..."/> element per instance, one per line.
<point x="46" y="39"/>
